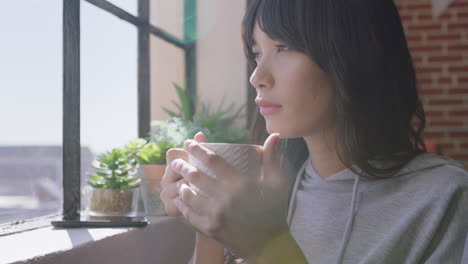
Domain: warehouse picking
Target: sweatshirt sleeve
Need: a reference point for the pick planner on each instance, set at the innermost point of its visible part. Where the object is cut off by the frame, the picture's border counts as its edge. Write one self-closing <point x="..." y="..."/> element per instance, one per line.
<point x="448" y="244"/>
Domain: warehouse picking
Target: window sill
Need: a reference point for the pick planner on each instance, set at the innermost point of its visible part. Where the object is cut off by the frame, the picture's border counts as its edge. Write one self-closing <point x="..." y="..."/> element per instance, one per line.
<point x="163" y="240"/>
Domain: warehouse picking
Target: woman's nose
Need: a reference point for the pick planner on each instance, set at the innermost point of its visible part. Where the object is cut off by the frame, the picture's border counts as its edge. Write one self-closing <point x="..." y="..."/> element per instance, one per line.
<point x="261" y="78"/>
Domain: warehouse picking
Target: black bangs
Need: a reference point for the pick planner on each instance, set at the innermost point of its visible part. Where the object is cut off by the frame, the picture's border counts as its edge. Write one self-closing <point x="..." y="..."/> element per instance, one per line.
<point x="274" y="18"/>
<point x="361" y="46"/>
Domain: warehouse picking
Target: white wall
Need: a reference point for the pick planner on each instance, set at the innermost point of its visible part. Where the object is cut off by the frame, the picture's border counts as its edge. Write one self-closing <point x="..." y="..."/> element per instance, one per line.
<point x="221" y="64"/>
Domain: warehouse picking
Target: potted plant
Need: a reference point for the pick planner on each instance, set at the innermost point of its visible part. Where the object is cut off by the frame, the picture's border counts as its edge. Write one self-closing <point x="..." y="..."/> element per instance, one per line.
<point x="217" y="125"/>
<point x="114" y="189"/>
<point x="150" y="158"/>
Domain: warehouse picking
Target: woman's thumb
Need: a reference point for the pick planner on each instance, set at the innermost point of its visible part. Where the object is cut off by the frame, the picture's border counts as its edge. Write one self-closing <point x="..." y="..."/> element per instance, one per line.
<point x="200" y="137"/>
<point x="271" y="155"/>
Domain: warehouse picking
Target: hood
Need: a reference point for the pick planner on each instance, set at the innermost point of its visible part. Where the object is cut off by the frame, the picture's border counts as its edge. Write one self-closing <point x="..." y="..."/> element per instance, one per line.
<point x="420" y="163"/>
<point x="427" y="161"/>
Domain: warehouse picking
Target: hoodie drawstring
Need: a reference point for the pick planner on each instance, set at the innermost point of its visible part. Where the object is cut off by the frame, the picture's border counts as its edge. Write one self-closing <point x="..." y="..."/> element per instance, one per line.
<point x="349" y="222"/>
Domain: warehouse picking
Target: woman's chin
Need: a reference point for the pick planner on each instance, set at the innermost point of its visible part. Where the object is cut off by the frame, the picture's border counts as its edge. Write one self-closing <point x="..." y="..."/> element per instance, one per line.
<point x="275" y="129"/>
<point x="283" y="131"/>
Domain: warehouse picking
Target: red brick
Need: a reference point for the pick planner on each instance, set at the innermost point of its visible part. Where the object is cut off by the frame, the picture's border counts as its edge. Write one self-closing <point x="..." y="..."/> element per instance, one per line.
<point x="444" y="80"/>
<point x="445" y="16"/>
<point x="458" y="91"/>
<point x="417" y="59"/>
<point x="429" y="69"/>
<point x="433" y="113"/>
<point x="456" y="26"/>
<point x="444" y="37"/>
<point x="459" y="156"/>
<point x="433" y="134"/>
<point x="413" y="38"/>
<point x="464" y="145"/>
<point x="446" y="101"/>
<point x="426" y="48"/>
<point x="424" y="80"/>
<point x="462" y="79"/>
<point x="462" y="15"/>
<point x="457" y="47"/>
<point x="446" y="123"/>
<point x="406" y="18"/>
<point x="458" y="134"/>
<point x="425" y="27"/>
<point x="458" y="113"/>
<point x="426" y="17"/>
<point x="418" y="6"/>
<point x="446" y="145"/>
<point x="431" y="91"/>
<point x="459" y="4"/>
<point x="446" y="58"/>
<point x="463" y="68"/>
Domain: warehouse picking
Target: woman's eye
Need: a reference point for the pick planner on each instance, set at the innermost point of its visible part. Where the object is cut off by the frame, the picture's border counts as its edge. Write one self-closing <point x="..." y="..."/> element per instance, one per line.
<point x="282" y="47"/>
<point x="256" y="55"/>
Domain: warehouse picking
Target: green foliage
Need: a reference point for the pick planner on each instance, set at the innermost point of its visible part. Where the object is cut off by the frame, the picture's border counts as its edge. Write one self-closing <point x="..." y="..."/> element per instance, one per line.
<point x="133" y="148"/>
<point x="115" y="170"/>
<point x="149" y="152"/>
<point x="184" y="107"/>
<point x="154" y="152"/>
<point x="217" y="125"/>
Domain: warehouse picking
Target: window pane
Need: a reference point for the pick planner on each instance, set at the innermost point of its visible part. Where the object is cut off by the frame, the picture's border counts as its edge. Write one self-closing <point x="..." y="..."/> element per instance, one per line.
<point x="168" y="67"/>
<point x="131" y="6"/>
<point x="172" y="22"/>
<point x="30" y="109"/>
<point x="108" y="84"/>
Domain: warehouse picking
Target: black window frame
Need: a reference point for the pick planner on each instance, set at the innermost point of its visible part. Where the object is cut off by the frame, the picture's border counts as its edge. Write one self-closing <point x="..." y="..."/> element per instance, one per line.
<point x="71" y="82"/>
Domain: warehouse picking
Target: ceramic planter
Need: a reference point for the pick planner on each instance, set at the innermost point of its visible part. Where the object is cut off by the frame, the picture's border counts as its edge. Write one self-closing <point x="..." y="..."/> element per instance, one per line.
<point x="113" y="202"/>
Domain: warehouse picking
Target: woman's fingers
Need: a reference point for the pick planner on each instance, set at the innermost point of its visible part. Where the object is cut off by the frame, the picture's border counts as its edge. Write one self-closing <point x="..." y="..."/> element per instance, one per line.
<point x="168" y="194"/>
<point x="170" y="176"/>
<point x="205" y="183"/>
<point x="208" y="158"/>
<point x="171" y="190"/>
<point x="199" y="137"/>
<point x="198" y="203"/>
<point x="200" y="222"/>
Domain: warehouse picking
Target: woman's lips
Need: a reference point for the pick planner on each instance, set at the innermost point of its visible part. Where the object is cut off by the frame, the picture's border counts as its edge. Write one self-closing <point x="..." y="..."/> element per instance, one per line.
<point x="266" y="110"/>
<point x="267" y="107"/>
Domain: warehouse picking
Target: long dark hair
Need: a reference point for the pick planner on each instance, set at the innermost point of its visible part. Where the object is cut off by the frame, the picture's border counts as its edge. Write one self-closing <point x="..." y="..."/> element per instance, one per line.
<point x="361" y="45"/>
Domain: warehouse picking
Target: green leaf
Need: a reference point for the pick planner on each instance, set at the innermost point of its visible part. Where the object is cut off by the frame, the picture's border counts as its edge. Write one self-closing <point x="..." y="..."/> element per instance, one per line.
<point x="170" y="113"/>
<point x="97" y="185"/>
<point x="102" y="174"/>
<point x="96" y="177"/>
<point x="185" y="101"/>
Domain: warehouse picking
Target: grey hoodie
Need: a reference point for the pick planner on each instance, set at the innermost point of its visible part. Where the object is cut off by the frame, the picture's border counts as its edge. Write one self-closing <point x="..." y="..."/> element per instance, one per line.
<point x="418" y="216"/>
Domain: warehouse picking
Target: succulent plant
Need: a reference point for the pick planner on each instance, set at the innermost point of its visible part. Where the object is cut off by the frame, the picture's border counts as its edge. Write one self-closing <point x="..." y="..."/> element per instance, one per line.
<point x="114" y="170"/>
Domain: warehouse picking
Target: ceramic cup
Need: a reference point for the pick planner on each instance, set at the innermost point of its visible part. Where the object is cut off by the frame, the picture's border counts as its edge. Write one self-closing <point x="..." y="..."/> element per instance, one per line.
<point x="244" y="157"/>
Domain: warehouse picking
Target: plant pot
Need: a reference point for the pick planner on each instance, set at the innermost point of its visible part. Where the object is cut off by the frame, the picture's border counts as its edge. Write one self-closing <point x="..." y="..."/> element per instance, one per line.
<point x="153" y="174"/>
<point x="151" y="188"/>
<point x="113" y="202"/>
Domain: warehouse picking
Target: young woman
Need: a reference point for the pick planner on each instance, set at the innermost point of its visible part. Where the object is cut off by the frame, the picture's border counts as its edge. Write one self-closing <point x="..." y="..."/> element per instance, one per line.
<point x="349" y="181"/>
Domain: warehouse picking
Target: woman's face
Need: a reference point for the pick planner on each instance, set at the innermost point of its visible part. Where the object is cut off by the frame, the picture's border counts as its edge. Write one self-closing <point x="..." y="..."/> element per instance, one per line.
<point x="294" y="95"/>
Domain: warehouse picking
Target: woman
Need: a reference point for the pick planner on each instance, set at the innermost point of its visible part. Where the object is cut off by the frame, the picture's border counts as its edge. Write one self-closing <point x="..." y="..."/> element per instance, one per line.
<point x="335" y="81"/>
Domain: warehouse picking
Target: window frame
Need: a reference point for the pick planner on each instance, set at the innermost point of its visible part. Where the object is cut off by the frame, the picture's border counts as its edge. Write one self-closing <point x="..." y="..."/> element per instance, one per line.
<point x="71" y="143"/>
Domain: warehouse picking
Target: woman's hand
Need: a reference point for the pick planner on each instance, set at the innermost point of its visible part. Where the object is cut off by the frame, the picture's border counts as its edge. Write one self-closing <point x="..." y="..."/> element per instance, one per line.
<point x="242" y="212"/>
<point x="169" y="182"/>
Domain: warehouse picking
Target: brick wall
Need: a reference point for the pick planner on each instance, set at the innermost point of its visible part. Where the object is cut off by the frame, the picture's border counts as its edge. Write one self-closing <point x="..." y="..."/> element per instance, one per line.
<point x="439" y="47"/>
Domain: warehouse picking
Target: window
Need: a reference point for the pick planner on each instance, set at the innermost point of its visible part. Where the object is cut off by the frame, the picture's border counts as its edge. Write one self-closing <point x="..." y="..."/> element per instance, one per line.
<point x="30" y="109"/>
<point x="105" y="65"/>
